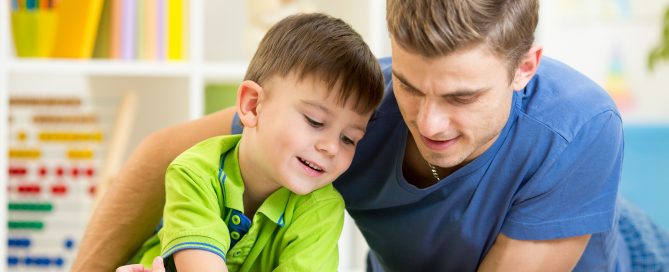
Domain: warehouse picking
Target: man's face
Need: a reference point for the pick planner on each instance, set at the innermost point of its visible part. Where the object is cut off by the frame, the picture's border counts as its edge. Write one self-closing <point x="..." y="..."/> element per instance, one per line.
<point x="455" y="105"/>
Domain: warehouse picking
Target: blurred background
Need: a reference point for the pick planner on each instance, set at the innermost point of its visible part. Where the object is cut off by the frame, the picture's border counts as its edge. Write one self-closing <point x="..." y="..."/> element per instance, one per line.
<point x="83" y="81"/>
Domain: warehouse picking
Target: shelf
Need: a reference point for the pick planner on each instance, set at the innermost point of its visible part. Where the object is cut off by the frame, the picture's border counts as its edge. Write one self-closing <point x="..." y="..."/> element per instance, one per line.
<point x="224" y="70"/>
<point x="99" y="67"/>
<point x="211" y="70"/>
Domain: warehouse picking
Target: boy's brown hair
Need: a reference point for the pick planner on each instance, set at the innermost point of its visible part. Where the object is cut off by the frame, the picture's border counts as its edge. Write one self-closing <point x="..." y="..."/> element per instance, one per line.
<point x="323" y="47"/>
<point x="438" y="27"/>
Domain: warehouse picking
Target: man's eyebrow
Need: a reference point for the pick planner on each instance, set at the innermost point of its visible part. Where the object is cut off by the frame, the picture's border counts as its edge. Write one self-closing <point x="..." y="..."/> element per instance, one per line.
<point x="401" y="78"/>
<point x="459" y="92"/>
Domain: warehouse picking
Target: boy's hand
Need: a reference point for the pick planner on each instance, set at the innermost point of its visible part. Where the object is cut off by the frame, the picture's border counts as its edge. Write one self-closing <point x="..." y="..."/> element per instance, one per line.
<point x="157" y="265"/>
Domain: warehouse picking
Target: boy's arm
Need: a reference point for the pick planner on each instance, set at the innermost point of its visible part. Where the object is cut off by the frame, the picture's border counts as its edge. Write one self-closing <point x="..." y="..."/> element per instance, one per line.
<point x="198" y="260"/>
<point x="133" y="205"/>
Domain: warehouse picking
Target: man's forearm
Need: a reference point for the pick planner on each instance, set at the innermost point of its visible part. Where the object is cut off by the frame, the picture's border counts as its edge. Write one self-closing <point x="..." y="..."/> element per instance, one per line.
<point x="508" y="254"/>
<point x="128" y="213"/>
<point x="133" y="204"/>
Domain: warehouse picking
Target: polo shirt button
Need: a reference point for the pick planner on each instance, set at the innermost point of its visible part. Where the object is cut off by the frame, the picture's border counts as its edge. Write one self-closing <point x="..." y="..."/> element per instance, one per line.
<point x="236" y="220"/>
<point x="234" y="235"/>
<point x="237" y="253"/>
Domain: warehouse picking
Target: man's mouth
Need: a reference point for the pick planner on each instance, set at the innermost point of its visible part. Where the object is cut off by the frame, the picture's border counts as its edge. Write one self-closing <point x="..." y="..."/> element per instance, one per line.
<point x="438" y="145"/>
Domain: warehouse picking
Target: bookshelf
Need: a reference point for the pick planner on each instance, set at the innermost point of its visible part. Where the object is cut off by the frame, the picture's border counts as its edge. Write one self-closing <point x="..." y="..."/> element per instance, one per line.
<point x="169" y="92"/>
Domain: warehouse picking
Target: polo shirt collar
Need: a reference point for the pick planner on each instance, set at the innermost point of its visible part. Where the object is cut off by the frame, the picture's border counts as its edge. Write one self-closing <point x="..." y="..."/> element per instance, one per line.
<point x="273" y="207"/>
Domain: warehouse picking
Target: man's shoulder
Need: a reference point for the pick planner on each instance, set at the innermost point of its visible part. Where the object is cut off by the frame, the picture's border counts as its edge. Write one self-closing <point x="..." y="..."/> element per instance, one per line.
<point x="563" y="99"/>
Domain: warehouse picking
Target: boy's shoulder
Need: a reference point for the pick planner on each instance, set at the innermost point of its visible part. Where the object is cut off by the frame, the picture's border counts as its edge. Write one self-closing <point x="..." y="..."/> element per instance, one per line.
<point x="207" y="153"/>
<point x="326" y="195"/>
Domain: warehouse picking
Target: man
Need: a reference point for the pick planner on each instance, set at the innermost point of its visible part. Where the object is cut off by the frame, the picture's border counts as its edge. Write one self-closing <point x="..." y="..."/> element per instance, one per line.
<point x="482" y="155"/>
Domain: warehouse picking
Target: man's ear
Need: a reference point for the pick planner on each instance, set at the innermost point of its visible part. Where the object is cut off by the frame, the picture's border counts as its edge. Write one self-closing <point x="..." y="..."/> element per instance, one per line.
<point x="527" y="67"/>
<point x="249" y="96"/>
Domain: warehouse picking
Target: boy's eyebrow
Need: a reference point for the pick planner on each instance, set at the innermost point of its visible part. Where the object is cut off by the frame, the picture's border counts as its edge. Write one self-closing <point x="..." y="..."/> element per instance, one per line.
<point x="329" y="112"/>
<point x="459" y="92"/>
<point x="317" y="105"/>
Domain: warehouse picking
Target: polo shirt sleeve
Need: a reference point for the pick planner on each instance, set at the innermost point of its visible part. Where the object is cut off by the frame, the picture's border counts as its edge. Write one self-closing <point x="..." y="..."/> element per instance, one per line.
<point x="192" y="214"/>
<point x="310" y="243"/>
<point x="574" y="194"/>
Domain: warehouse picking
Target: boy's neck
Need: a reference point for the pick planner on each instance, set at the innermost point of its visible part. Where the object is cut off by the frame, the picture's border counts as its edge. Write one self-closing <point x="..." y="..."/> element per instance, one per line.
<point x="256" y="188"/>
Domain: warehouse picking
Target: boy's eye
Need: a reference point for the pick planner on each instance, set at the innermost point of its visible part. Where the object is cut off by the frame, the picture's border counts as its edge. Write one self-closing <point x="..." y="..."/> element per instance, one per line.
<point x="313" y="122"/>
<point x="347" y="140"/>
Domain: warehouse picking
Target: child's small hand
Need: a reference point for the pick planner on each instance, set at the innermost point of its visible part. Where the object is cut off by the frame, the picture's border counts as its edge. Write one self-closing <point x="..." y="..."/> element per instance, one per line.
<point x="157" y="265"/>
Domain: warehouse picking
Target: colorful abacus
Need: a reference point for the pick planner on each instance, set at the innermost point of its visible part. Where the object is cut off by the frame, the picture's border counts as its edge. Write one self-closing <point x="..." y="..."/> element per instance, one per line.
<point x="56" y="148"/>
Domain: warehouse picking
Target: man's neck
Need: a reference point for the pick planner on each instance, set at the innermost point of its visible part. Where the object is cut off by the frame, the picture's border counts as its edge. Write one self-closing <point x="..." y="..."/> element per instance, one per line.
<point x="416" y="169"/>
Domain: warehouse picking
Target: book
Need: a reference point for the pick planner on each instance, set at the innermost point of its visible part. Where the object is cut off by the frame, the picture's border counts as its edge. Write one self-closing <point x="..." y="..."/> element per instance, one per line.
<point x="128" y="28"/>
<point x="175" y="29"/>
<point x="102" y="47"/>
<point x="115" y="29"/>
<point x="150" y="27"/>
<point x="76" y="28"/>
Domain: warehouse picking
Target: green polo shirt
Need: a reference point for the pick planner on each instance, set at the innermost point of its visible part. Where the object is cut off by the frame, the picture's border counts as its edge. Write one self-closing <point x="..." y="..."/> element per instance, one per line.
<point x="204" y="210"/>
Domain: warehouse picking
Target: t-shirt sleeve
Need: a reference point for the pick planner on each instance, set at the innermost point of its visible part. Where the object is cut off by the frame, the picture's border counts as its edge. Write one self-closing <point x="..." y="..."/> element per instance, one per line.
<point x="576" y="193"/>
<point x="311" y="242"/>
<point x="192" y="214"/>
<point x="236" y="125"/>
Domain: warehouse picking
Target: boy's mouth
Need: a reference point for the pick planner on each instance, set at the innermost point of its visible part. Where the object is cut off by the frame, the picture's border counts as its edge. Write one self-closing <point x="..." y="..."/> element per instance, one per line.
<point x="311" y="165"/>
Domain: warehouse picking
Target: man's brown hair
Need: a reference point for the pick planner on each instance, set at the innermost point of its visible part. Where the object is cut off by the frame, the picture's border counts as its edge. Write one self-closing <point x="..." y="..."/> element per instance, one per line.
<point x="323" y="47"/>
<point x="438" y="27"/>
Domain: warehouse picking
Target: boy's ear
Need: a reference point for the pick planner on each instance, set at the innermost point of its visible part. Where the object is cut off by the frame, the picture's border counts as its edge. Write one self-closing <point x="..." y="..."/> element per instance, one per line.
<point x="249" y="95"/>
<point x="527" y="67"/>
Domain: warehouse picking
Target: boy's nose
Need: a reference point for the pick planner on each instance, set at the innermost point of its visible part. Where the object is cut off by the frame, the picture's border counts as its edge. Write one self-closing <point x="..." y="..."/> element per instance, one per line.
<point x="328" y="145"/>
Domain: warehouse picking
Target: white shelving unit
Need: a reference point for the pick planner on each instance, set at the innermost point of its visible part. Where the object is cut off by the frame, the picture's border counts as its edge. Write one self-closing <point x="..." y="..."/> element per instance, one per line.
<point x="4" y="77"/>
<point x="172" y="92"/>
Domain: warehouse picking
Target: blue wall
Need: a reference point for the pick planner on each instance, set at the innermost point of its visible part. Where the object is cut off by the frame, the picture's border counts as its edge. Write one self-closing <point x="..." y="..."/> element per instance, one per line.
<point x="645" y="180"/>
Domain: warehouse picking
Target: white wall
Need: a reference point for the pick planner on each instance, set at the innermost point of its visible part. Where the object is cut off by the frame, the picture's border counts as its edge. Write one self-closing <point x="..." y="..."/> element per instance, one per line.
<point x="590" y="34"/>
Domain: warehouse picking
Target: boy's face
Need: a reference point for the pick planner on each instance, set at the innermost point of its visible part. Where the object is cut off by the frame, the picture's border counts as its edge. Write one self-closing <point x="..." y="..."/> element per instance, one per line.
<point x="455" y="105"/>
<point x="303" y="139"/>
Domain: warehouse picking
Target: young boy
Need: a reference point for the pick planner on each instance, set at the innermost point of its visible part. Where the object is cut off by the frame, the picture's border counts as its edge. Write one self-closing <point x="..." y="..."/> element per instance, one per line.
<point x="263" y="200"/>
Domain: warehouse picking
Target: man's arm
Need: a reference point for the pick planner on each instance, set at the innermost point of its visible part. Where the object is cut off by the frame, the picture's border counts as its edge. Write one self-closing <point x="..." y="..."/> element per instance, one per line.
<point x="133" y="204"/>
<point x="550" y="255"/>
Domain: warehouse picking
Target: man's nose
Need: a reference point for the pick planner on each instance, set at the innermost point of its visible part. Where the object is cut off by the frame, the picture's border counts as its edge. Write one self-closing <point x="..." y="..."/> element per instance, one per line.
<point x="432" y="118"/>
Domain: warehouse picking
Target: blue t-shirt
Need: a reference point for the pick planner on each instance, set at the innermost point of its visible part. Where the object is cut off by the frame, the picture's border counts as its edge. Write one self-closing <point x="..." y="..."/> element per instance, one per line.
<point x="552" y="173"/>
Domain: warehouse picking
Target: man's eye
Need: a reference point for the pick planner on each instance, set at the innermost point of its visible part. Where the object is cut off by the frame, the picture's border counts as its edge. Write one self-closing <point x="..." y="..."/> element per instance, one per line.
<point x="313" y="122"/>
<point x="465" y="100"/>
<point x="409" y="89"/>
<point x="399" y="84"/>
